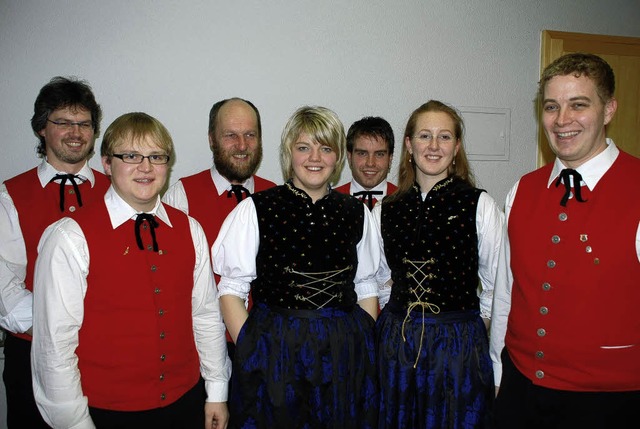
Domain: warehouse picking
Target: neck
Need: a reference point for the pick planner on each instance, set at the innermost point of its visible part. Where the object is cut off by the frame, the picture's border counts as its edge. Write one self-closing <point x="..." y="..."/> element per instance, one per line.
<point x="66" y="167"/>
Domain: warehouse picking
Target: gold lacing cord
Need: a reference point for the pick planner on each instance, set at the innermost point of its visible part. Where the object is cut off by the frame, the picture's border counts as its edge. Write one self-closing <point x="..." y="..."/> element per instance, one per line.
<point x="433" y="308"/>
<point x="316" y="277"/>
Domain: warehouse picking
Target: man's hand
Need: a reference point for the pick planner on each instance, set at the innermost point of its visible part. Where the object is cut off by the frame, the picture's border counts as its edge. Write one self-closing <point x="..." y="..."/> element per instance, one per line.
<point x="216" y="415"/>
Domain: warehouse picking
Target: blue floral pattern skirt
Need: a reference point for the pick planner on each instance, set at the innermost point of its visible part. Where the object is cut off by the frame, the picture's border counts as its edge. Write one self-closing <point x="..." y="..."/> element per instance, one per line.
<point x="305" y="369"/>
<point x="440" y="377"/>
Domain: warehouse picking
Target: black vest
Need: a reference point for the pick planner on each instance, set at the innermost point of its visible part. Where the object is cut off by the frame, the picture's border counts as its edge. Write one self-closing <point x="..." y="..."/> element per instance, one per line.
<point x="433" y="243"/>
<point x="307" y="258"/>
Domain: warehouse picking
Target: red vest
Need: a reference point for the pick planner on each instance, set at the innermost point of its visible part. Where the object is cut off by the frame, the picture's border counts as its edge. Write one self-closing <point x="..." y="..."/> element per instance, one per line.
<point x="574" y="322"/>
<point x="136" y="347"/>
<point x="39" y="207"/>
<point x="211" y="209"/>
<point x="346" y="189"/>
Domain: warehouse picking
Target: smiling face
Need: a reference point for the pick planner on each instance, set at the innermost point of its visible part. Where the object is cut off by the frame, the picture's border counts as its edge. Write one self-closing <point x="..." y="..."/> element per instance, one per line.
<point x="236" y="145"/>
<point x="369" y="160"/>
<point x="67" y="150"/>
<point x="433" y="147"/>
<point x="574" y="118"/>
<point x="313" y="164"/>
<point x="138" y="184"/>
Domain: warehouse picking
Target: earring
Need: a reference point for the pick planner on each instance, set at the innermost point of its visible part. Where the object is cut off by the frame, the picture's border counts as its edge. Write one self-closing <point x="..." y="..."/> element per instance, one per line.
<point x="454" y="162"/>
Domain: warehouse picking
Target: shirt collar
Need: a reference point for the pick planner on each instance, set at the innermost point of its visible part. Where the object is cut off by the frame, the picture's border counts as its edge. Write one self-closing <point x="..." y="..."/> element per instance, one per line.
<point x="592" y="170"/>
<point x="120" y="212"/>
<point x="223" y="185"/>
<point x="46" y="172"/>
<point x="382" y="186"/>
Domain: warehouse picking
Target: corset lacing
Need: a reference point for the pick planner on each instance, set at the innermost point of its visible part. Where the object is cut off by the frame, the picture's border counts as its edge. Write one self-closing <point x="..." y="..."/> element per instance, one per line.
<point x="419" y="291"/>
<point x="322" y="292"/>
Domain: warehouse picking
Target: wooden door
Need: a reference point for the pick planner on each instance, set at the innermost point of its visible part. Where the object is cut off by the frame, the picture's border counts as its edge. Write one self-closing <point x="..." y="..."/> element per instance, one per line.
<point x="623" y="54"/>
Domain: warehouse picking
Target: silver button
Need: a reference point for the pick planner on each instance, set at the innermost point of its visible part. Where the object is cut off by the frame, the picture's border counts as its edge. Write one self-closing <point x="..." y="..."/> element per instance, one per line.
<point x="161" y="312"/>
<point x="539" y="354"/>
<point x="539" y="374"/>
<point x="71" y="192"/>
<point x="72" y="209"/>
<point x="154" y="268"/>
<point x="156" y="290"/>
<point x="162" y="357"/>
<point x="162" y="335"/>
<point x="588" y="249"/>
<point x="546" y="286"/>
<point x="149" y="247"/>
<point x="542" y="332"/>
<point x="163" y="396"/>
<point x="144" y="226"/>
<point x="551" y="263"/>
<point x="584" y="237"/>
<point x="161" y="377"/>
<point x="555" y="239"/>
<point x="544" y="310"/>
<point x="562" y="216"/>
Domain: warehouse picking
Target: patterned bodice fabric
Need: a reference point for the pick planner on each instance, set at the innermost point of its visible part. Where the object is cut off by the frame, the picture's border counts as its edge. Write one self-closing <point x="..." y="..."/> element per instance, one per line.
<point x="307" y="257"/>
<point x="431" y="247"/>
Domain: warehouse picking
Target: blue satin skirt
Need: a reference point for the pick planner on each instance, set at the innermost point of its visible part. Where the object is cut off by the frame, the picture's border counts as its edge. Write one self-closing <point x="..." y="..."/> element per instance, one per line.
<point x="305" y="369"/>
<point x="439" y="375"/>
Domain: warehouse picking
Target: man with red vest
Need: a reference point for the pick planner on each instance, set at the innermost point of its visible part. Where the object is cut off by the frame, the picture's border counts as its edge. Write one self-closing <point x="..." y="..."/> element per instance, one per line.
<point x="565" y="329"/>
<point x="370" y="145"/>
<point x="66" y="120"/>
<point x="127" y="327"/>
<point x="235" y="138"/>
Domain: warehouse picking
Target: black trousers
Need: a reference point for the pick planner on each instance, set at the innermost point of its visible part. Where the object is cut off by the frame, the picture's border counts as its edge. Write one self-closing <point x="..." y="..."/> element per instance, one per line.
<point x="523" y="405"/>
<point x="22" y="411"/>
<point x="186" y="413"/>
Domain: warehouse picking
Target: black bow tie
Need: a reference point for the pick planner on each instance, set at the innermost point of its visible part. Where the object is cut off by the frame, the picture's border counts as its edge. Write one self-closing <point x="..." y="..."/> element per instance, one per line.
<point x="368" y="195"/>
<point x="153" y="224"/>
<point x="63" y="180"/>
<point x="237" y="190"/>
<point x="565" y="177"/>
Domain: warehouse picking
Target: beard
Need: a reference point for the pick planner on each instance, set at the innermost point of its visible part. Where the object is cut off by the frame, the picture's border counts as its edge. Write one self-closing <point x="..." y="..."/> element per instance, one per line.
<point x="224" y="163"/>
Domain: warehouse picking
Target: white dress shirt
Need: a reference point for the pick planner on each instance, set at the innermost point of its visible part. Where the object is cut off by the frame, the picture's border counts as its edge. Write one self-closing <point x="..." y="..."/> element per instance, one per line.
<point x="489" y="227"/>
<point x="591" y="172"/>
<point x="177" y="197"/>
<point x="236" y="248"/>
<point x="16" y="301"/>
<point x="61" y="272"/>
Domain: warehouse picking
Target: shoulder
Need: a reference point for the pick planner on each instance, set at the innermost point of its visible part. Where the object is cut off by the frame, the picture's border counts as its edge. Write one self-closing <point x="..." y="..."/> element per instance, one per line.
<point x="260" y="183"/>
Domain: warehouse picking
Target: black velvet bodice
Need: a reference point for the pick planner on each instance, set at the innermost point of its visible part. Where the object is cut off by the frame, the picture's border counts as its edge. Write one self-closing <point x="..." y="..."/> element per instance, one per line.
<point x="431" y="246"/>
<point x="307" y="258"/>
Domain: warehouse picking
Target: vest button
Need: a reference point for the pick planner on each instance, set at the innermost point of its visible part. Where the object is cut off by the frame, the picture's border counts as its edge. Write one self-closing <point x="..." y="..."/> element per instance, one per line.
<point x="596" y="261"/>
<point x="588" y="249"/>
<point x="163" y="397"/>
<point x="541" y="332"/>
<point x="161" y="312"/>
<point x="555" y="239"/>
<point x="162" y="357"/>
<point x="562" y="217"/>
<point x="71" y="192"/>
<point x="154" y="268"/>
<point x="544" y="310"/>
<point x="156" y="290"/>
<point x="72" y="209"/>
<point x="149" y="247"/>
<point x="539" y="354"/>
<point x="539" y="374"/>
<point x="546" y="286"/>
<point x="162" y="335"/>
<point x="161" y="377"/>
<point x="551" y="263"/>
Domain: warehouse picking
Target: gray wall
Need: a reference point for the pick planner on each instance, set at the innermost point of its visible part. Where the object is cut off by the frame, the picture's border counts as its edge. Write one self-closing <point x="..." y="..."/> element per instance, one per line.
<point x="173" y="59"/>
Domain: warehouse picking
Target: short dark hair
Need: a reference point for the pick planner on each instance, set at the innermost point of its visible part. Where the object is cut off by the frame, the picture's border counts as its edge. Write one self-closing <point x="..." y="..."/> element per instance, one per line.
<point x="581" y="64"/>
<point x="371" y="126"/>
<point x="213" y="114"/>
<point x="59" y="93"/>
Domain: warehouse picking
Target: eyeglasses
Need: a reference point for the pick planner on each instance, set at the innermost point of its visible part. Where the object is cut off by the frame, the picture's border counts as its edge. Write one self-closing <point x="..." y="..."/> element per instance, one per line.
<point x="428" y="137"/>
<point x="137" y="158"/>
<point x="68" y="125"/>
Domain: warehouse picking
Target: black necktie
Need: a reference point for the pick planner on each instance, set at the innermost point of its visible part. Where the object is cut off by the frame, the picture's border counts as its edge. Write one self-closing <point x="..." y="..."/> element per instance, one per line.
<point x="63" y="180"/>
<point x="368" y="195"/>
<point x="237" y="190"/>
<point x="565" y="177"/>
<point x="153" y="224"/>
